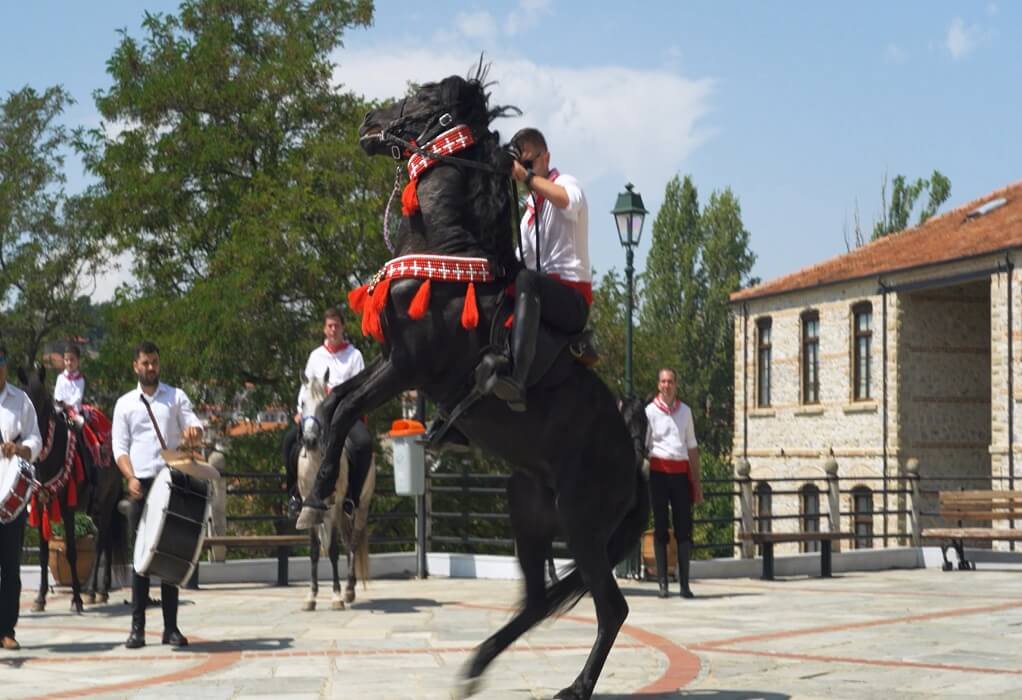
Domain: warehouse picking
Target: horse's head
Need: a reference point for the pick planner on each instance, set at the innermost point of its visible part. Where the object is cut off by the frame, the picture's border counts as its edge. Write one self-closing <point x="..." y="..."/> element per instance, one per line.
<point x="421" y="116"/>
<point x="315" y="392"/>
<point x="34" y="384"/>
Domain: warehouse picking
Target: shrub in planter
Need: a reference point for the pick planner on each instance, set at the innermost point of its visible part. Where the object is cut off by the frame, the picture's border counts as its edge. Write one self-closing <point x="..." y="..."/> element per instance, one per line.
<point x="85" y="547"/>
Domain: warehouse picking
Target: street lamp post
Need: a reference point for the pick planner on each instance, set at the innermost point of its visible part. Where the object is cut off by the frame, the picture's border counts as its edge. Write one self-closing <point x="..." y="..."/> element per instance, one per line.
<point x="629" y="214"/>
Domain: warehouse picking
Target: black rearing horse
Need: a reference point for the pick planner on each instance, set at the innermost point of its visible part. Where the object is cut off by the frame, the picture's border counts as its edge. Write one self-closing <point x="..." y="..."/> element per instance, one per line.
<point x="586" y="482"/>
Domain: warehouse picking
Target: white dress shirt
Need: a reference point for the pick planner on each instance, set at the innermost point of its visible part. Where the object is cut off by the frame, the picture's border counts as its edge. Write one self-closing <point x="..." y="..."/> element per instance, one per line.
<point x="18" y="422"/>
<point x="564" y="235"/>
<point x="670" y="435"/>
<point x="343" y="365"/>
<point x="70" y="390"/>
<point x="133" y="433"/>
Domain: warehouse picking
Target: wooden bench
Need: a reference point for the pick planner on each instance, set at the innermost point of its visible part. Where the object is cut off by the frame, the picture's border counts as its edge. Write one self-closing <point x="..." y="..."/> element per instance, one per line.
<point x="985" y="507"/>
<point x="282" y="543"/>
<point x="767" y="540"/>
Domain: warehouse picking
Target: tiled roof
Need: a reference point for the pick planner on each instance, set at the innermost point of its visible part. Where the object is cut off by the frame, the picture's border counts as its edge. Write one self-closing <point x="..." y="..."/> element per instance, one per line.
<point x="952" y="236"/>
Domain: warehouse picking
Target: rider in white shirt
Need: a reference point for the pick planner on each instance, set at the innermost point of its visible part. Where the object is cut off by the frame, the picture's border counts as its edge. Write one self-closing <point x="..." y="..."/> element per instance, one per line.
<point x="70" y="387"/>
<point x="337" y="361"/>
<point x="555" y="285"/>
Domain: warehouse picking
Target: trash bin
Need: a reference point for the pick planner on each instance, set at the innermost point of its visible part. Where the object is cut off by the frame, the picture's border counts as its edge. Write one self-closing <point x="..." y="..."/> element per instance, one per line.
<point x="409" y="457"/>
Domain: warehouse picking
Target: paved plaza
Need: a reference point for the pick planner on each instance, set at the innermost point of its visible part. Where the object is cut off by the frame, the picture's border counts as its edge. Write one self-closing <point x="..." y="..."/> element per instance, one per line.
<point x="892" y="634"/>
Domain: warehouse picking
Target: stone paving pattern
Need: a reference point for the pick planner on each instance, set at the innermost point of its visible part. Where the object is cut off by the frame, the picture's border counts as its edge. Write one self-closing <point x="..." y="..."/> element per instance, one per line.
<point x="894" y="634"/>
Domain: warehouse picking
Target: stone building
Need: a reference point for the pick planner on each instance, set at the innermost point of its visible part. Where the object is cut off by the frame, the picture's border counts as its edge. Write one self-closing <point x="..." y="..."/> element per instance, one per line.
<point x="906" y="348"/>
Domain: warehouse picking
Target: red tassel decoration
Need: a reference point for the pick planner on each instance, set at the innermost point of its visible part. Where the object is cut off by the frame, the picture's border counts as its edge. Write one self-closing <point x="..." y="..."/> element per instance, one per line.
<point x="377" y="301"/>
<point x="470" y="312"/>
<point x="409" y="199"/>
<point x="33" y="511"/>
<point x="420" y="302"/>
<point x="47" y="528"/>
<point x="357" y="298"/>
<point x="509" y="321"/>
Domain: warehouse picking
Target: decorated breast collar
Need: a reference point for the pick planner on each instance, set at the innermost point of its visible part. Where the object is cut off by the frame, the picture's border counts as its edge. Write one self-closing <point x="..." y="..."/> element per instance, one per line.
<point x="369" y="299"/>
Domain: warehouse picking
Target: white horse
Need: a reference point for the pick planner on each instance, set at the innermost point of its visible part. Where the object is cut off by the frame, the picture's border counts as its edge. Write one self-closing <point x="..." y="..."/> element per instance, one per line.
<point x="337" y="528"/>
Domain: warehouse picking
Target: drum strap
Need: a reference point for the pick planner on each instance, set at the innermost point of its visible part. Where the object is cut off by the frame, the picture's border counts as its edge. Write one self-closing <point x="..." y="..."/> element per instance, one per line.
<point x="149" y="409"/>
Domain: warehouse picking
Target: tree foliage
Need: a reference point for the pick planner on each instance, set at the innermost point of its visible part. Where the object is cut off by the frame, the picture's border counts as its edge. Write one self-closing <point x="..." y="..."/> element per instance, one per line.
<point x="46" y="257"/>
<point x="897" y="213"/>
<point x="229" y="168"/>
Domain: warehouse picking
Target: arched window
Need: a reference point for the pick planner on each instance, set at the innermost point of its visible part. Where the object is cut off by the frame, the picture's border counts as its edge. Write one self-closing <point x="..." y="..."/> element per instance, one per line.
<point x="811" y="357"/>
<point x="862" y="517"/>
<point x="862" y="345"/>
<point x="809" y="499"/>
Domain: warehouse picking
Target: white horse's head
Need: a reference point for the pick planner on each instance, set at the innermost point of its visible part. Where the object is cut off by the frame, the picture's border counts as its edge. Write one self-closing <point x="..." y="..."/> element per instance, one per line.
<point x="315" y="392"/>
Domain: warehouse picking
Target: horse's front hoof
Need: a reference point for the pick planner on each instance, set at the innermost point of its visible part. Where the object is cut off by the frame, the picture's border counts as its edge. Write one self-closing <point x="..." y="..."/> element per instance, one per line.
<point x="309" y="605"/>
<point x="39" y="606"/>
<point x="337" y="604"/>
<point x="76" y="606"/>
<point x="467" y="687"/>
<point x="310" y="518"/>
<point x="349" y="595"/>
<point x="104" y="598"/>
<point x="573" y="692"/>
<point x="90" y="599"/>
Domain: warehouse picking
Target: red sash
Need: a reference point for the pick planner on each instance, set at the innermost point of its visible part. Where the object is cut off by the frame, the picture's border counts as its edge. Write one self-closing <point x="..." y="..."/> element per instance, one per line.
<point x="668" y="466"/>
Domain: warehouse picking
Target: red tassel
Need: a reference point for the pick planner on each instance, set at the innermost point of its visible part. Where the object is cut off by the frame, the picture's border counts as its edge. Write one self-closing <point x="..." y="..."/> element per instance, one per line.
<point x="33" y="511"/>
<point x="47" y="528"/>
<point x="374" y="307"/>
<point x="470" y="313"/>
<point x="510" y="319"/>
<point x="420" y="302"/>
<point x="357" y="298"/>
<point x="409" y="199"/>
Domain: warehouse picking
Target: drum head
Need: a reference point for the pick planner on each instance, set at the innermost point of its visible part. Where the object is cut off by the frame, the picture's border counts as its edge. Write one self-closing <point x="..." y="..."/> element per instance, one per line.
<point x="150" y="525"/>
<point x="10" y="467"/>
<point x="189" y="463"/>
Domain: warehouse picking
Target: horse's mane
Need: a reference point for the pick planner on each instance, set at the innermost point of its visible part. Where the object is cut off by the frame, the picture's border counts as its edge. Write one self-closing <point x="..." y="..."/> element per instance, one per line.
<point x="490" y="195"/>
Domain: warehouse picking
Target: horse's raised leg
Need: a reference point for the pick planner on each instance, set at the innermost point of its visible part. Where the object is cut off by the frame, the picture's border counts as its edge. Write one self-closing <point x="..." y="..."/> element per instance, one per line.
<point x="532" y="519"/>
<point x="363" y="393"/>
<point x="39" y="604"/>
<point x="310" y="599"/>
<point x="337" y="602"/>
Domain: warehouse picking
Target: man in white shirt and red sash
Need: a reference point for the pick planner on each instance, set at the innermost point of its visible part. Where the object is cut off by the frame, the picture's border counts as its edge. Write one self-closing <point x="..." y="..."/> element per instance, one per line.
<point x="344" y="361"/>
<point x="556" y="282"/>
<point x="136" y="448"/>
<point x="19" y="435"/>
<point x="673" y="476"/>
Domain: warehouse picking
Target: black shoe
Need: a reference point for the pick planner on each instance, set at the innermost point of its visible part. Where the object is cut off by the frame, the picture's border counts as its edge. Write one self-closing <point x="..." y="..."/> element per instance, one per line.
<point x="508" y="389"/>
<point x="686" y="592"/>
<point x="663" y="592"/>
<point x="174" y="638"/>
<point x="294" y="506"/>
<point x="136" y="640"/>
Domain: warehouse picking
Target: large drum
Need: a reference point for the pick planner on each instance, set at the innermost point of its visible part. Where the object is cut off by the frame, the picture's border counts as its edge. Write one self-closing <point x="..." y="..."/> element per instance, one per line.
<point x="17" y="481"/>
<point x="170" y="533"/>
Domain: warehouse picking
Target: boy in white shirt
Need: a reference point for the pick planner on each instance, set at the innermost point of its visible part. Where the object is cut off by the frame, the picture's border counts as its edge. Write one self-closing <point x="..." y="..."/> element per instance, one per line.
<point x="70" y="388"/>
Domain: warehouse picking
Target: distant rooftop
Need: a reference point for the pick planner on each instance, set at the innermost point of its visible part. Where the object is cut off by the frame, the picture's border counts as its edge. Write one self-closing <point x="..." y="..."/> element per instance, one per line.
<point x="990" y="224"/>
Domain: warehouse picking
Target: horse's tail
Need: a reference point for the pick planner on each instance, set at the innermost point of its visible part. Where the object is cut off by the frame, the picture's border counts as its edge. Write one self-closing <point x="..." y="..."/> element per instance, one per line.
<point x="355" y="530"/>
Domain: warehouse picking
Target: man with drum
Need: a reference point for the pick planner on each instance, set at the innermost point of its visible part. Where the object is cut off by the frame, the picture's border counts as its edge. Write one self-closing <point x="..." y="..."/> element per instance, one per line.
<point x="343" y="361"/>
<point x="19" y="440"/>
<point x="136" y="447"/>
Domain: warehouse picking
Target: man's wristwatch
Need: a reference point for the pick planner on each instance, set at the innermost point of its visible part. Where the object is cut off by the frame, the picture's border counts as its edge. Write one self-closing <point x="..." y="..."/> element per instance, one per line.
<point x="529" y="174"/>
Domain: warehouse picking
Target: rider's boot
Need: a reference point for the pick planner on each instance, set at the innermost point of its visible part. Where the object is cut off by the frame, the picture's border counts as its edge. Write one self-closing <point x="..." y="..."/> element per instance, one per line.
<point x="314" y="508"/>
<point x="660" y="552"/>
<point x="512" y="387"/>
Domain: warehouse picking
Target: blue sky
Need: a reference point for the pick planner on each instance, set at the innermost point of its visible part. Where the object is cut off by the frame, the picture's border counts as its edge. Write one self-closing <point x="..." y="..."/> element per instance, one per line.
<point x="799" y="107"/>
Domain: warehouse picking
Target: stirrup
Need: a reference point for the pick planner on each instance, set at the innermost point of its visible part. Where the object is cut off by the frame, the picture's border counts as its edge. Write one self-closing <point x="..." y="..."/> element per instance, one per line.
<point x="489" y="371"/>
<point x="505" y="387"/>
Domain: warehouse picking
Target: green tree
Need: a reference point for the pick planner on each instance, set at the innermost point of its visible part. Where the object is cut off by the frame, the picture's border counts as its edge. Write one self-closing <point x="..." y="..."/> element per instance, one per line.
<point x="904" y="197"/>
<point x="47" y="259"/>
<point x="235" y="180"/>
